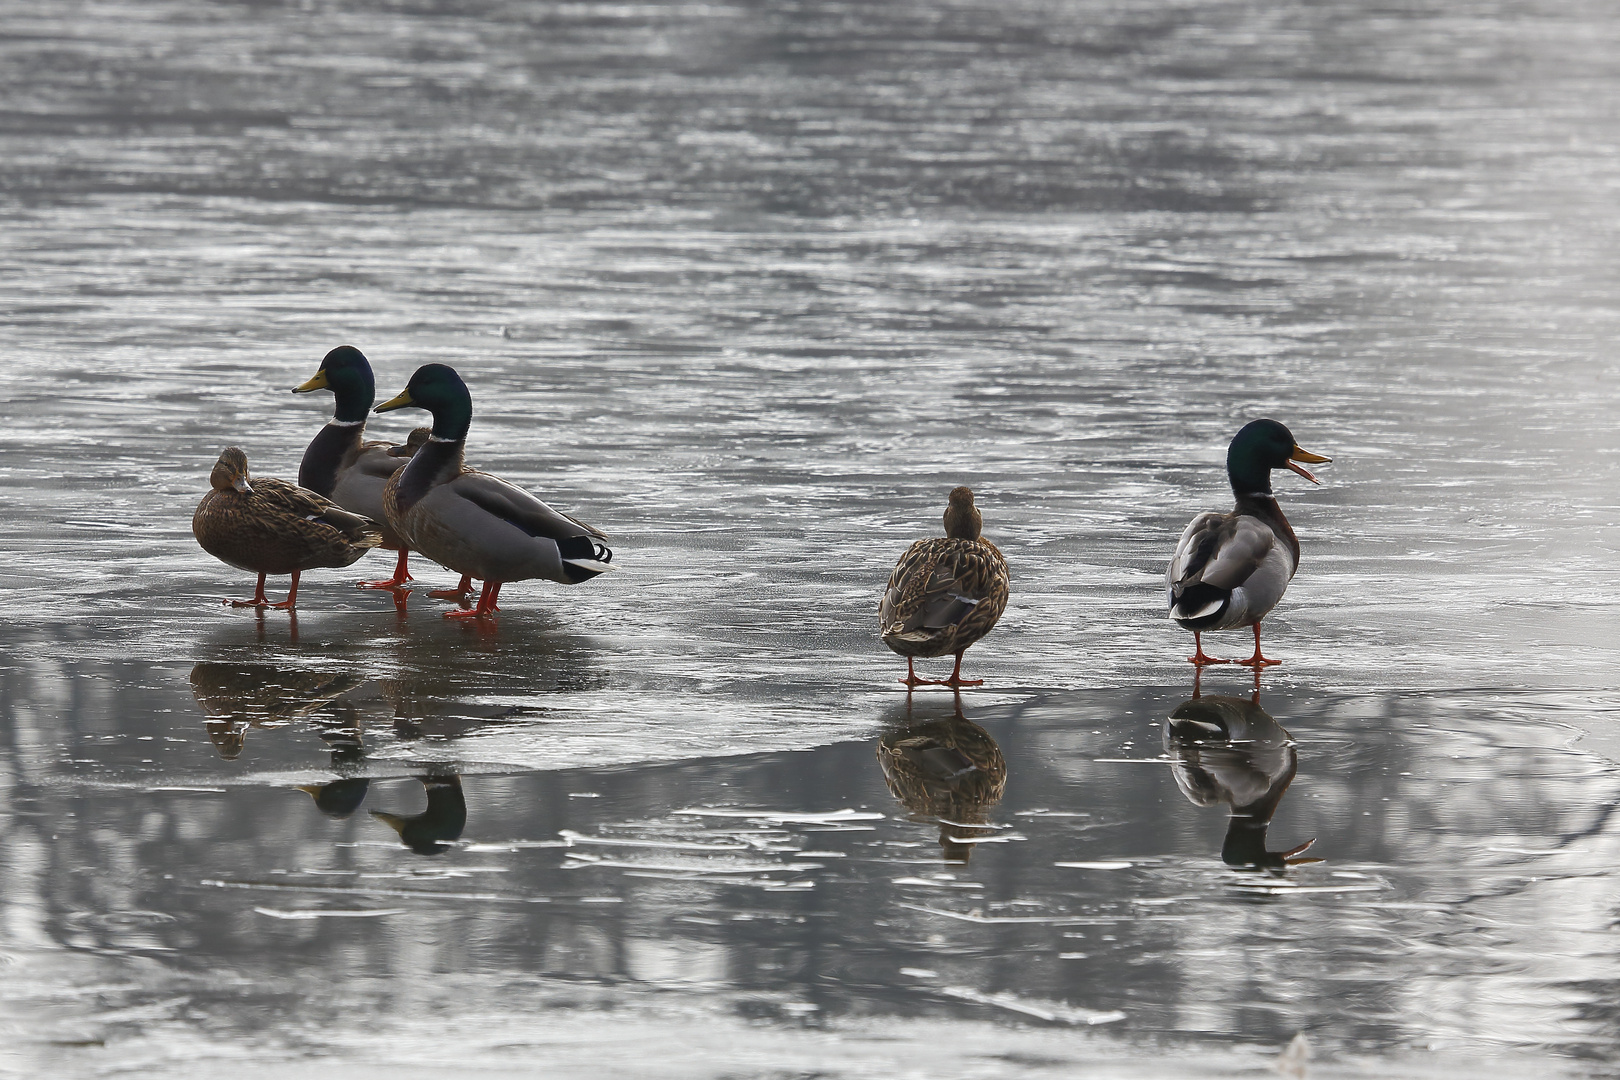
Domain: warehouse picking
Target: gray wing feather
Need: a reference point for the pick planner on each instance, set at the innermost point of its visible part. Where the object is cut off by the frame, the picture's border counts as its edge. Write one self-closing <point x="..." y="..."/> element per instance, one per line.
<point x="511" y="503"/>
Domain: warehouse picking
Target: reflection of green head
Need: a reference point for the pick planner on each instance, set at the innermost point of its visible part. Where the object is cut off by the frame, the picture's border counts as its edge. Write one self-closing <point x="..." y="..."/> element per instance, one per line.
<point x="433" y="830"/>
<point x="337" y="798"/>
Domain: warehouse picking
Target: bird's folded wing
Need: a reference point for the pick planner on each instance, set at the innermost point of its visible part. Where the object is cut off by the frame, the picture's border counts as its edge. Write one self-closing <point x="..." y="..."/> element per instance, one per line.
<point x="512" y="504"/>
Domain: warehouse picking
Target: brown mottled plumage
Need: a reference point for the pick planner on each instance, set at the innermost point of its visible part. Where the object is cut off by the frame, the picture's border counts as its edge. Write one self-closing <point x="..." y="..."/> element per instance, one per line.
<point x="945" y="593"/>
<point x="269" y="526"/>
<point x="949" y="770"/>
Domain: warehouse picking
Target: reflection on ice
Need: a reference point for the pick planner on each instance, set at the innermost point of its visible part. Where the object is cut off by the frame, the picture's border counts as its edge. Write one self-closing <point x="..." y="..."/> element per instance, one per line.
<point x="1229" y="751"/>
<point x="434" y="829"/>
<point x="948" y="770"/>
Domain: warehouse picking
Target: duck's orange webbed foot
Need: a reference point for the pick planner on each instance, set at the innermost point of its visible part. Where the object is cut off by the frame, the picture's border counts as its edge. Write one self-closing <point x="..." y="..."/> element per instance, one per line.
<point x="258" y="600"/>
<point x="486" y="604"/>
<point x="401" y="575"/>
<point x="1200" y="657"/>
<point x="955" y="680"/>
<point x="461" y="593"/>
<point x="911" y="680"/>
<point x="1257" y="661"/>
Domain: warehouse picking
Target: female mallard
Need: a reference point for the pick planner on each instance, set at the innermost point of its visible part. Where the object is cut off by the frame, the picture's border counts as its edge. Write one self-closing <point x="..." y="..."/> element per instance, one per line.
<point x="273" y="527"/>
<point x="945" y="593"/>
<point x="339" y="464"/>
<point x="474" y="523"/>
<point x="1230" y="570"/>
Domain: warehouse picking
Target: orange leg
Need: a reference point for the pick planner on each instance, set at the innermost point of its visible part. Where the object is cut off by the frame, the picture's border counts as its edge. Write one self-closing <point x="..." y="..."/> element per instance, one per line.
<point x="258" y="597"/>
<point x="1200" y="657"/>
<point x="956" y="679"/>
<point x="460" y="592"/>
<point x="1257" y="661"/>
<point x="911" y="679"/>
<point x="486" y="604"/>
<point x="292" y="595"/>
<point x="401" y="574"/>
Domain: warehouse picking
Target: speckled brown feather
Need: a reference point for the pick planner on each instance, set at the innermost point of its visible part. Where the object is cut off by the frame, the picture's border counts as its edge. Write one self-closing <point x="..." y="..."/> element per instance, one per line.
<point x="278" y="527"/>
<point x="923" y="612"/>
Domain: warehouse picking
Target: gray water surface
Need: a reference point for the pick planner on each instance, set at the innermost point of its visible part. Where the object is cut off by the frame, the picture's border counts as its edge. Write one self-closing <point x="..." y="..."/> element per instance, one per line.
<point x="751" y="286"/>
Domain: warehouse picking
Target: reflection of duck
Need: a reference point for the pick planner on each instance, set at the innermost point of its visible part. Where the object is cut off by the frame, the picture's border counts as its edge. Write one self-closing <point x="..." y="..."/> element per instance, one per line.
<point x="474" y="523"/>
<point x="947" y="769"/>
<point x="1229" y="750"/>
<point x="339" y="463"/>
<point x="235" y="697"/>
<point x="433" y="830"/>
<point x="1230" y="570"/>
<point x="269" y="526"/>
<point x="945" y="593"/>
<point x="341" y="797"/>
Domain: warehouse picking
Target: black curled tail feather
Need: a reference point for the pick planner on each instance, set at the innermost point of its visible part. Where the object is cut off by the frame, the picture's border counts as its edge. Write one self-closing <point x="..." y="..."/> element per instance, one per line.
<point x="577" y="549"/>
<point x="1196" y="597"/>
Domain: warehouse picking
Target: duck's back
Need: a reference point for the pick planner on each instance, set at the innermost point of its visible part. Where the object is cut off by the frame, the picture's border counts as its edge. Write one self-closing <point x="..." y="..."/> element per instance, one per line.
<point x="945" y="593"/>
<point x="280" y="527"/>
<point x="1228" y="570"/>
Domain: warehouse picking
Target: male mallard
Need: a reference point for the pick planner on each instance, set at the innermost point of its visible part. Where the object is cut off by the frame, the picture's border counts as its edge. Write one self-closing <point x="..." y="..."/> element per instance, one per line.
<point x="1230" y="570"/>
<point x="339" y="464"/>
<point x="945" y="593"/>
<point x="472" y="522"/>
<point x="417" y="439"/>
<point x="273" y="527"/>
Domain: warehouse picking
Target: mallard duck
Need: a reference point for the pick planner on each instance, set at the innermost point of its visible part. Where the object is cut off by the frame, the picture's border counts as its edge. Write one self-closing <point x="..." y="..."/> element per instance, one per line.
<point x="949" y="770"/>
<point x="415" y="441"/>
<point x="438" y="826"/>
<point x="474" y="523"/>
<point x="945" y="593"/>
<point x="340" y="464"/>
<point x="1228" y="750"/>
<point x="1230" y="570"/>
<point x="269" y="526"/>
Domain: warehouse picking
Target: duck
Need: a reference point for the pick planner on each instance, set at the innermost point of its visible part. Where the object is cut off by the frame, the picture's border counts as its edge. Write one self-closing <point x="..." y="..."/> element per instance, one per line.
<point x="268" y="526"/>
<point x="405" y="451"/>
<point x="472" y="522"/>
<point x="945" y="593"/>
<point x="340" y="463"/>
<point x="1229" y="570"/>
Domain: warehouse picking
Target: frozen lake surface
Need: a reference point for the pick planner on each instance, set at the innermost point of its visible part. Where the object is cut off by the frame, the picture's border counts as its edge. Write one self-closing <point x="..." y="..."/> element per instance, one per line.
<point x="751" y="286"/>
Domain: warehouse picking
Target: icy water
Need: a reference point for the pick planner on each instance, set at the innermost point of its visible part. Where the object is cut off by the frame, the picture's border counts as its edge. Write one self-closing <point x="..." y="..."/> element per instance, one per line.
<point x="751" y="286"/>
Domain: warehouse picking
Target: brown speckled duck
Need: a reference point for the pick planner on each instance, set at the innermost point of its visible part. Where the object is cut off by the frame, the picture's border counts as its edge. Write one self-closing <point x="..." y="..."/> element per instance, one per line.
<point x="945" y="593"/>
<point x="269" y="526"/>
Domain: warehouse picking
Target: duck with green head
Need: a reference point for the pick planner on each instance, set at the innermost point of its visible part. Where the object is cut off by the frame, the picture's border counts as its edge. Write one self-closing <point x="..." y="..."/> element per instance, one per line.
<point x="340" y="463"/>
<point x="1230" y="570"/>
<point x="472" y="522"/>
